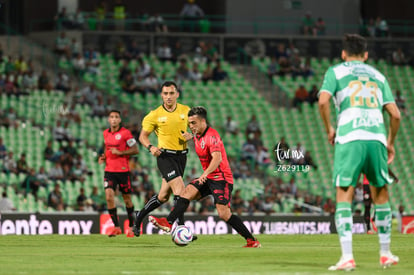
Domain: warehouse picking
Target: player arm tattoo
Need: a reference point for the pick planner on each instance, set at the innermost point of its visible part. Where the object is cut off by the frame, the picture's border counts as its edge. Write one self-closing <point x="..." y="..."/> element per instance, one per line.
<point x="131" y="151"/>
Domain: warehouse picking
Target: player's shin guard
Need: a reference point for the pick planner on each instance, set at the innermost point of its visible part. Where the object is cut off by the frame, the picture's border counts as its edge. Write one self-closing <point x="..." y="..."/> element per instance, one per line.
<point x="151" y="205"/>
<point x="114" y="216"/>
<point x="343" y="222"/>
<point x="181" y="217"/>
<point x="383" y="221"/>
<point x="178" y="211"/>
<point x="130" y="212"/>
<point x="238" y="225"/>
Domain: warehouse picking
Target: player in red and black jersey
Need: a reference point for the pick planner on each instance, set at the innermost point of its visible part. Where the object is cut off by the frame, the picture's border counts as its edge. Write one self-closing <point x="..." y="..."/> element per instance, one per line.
<point x="371" y="228"/>
<point x="217" y="179"/>
<point x="119" y="145"/>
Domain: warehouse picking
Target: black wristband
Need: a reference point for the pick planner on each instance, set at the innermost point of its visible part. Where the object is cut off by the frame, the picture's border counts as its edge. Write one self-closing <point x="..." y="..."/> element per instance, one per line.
<point x="149" y="147"/>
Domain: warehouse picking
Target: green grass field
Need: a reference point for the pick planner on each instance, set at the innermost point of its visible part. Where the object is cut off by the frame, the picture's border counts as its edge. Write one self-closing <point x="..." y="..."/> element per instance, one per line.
<point x="219" y="254"/>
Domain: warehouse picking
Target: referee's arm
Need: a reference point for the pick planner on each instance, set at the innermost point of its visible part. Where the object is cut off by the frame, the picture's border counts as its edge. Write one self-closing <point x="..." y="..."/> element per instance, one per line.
<point x="144" y="139"/>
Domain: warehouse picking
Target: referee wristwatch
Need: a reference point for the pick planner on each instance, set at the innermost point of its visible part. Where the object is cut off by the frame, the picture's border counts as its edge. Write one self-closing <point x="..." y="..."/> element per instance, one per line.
<point x="149" y="147"/>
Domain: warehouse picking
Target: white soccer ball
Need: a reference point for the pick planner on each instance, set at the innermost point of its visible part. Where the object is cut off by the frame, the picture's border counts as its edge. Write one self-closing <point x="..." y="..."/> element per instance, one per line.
<point x="181" y="235"/>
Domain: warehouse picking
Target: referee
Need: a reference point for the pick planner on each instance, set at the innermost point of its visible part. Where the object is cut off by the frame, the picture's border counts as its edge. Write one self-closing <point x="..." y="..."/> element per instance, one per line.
<point x="169" y="122"/>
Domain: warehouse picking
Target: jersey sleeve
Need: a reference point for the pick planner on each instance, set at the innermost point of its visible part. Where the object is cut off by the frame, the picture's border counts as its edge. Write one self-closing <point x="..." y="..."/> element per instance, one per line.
<point x="129" y="138"/>
<point x="149" y="122"/>
<point x="214" y="143"/>
<point x="329" y="82"/>
<point x="187" y="109"/>
<point x="387" y="96"/>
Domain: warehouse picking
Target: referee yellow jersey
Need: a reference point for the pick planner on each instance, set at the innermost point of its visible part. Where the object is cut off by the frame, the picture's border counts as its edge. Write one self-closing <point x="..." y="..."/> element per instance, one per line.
<point x="168" y="126"/>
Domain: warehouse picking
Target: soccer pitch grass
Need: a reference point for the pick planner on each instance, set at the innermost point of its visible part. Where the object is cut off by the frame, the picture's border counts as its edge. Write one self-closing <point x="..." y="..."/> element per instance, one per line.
<point x="210" y="254"/>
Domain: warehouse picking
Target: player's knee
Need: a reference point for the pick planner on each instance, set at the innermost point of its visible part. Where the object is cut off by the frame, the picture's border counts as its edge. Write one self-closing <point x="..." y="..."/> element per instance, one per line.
<point x="224" y="214"/>
<point x="108" y="196"/>
<point x="128" y="203"/>
<point x="110" y="199"/>
<point x="163" y="199"/>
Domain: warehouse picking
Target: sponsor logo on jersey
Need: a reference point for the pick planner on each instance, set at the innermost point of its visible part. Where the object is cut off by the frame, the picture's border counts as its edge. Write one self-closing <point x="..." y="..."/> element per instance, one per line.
<point x="162" y="119"/>
<point x="366" y="122"/>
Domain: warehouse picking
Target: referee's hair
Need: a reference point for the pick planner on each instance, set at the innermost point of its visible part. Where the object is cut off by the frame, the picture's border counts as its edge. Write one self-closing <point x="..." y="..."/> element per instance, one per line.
<point x="198" y="111"/>
<point x="169" y="84"/>
<point x="114" y="111"/>
<point x="354" y="44"/>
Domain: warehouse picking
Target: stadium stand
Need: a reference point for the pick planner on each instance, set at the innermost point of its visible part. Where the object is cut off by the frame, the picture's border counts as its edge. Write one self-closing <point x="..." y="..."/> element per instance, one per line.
<point x="400" y="78"/>
<point x="221" y="99"/>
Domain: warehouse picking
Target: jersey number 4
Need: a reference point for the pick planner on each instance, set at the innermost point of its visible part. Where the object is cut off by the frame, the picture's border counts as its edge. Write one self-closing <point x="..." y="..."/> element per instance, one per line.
<point x="357" y="100"/>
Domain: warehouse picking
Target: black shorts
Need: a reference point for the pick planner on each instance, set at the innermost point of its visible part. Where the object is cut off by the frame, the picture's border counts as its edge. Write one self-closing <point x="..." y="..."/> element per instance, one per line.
<point x="367" y="193"/>
<point x="121" y="179"/>
<point x="171" y="165"/>
<point x="221" y="190"/>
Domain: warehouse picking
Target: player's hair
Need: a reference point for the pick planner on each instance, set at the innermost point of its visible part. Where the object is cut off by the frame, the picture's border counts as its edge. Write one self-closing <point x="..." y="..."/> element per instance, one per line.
<point x="198" y="111"/>
<point x="354" y="44"/>
<point x="114" y="111"/>
<point x="169" y="84"/>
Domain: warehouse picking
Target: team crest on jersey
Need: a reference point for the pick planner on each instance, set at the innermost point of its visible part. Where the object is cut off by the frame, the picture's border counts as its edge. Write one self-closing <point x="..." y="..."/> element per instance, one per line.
<point x="202" y="144"/>
<point x="118" y="136"/>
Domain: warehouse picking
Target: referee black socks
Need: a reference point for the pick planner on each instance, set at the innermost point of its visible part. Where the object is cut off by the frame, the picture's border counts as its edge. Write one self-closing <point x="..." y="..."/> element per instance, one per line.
<point x="238" y="225"/>
<point x="178" y="211"/>
<point x="151" y="205"/>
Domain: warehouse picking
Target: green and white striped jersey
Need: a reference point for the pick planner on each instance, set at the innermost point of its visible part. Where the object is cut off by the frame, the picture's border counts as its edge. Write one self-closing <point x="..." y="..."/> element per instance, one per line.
<point x="359" y="92"/>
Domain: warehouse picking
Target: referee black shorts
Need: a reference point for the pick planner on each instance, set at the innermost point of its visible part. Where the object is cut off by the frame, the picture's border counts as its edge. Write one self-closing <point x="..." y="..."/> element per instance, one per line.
<point x="172" y="164"/>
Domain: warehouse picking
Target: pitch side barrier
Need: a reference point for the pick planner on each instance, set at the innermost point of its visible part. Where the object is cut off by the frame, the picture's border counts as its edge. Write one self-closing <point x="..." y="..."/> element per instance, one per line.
<point x="239" y="48"/>
<point x="85" y="224"/>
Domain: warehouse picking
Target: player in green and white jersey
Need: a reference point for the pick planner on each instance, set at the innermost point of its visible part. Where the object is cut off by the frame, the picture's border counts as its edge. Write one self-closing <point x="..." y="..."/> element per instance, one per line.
<point x="360" y="93"/>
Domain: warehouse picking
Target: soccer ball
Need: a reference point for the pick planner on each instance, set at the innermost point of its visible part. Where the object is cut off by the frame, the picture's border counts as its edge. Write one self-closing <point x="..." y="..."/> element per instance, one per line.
<point x="181" y="235"/>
